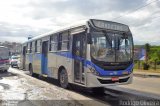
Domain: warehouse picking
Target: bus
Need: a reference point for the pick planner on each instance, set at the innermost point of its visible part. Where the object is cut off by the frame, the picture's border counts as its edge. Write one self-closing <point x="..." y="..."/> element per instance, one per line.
<point x="93" y="53"/>
<point x="4" y="58"/>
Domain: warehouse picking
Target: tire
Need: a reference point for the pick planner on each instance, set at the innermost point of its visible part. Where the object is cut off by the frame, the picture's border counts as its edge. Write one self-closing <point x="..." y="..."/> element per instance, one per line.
<point x="98" y="91"/>
<point x="30" y="70"/>
<point x="63" y="79"/>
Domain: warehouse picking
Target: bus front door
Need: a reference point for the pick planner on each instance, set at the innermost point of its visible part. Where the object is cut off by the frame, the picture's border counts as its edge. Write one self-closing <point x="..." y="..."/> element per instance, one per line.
<point x="44" y="58"/>
<point x="78" y="49"/>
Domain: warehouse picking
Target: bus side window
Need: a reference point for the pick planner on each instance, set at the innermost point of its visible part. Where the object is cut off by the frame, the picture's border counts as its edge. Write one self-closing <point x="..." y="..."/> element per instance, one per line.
<point x="53" y="43"/>
<point x="30" y="48"/>
<point x="36" y="46"/>
<point x="26" y="48"/>
<point x="77" y="48"/>
<point x="64" y="41"/>
<point x="76" y="45"/>
<point x="33" y="46"/>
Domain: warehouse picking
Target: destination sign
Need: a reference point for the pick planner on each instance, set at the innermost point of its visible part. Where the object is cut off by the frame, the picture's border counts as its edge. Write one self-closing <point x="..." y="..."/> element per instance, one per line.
<point x="110" y="25"/>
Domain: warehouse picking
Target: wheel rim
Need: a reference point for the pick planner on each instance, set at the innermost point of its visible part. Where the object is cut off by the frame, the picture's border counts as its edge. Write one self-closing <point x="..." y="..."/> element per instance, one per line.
<point x="63" y="79"/>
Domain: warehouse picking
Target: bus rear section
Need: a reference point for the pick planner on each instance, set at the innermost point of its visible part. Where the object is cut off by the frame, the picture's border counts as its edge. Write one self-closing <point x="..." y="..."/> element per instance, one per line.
<point x="4" y="58"/>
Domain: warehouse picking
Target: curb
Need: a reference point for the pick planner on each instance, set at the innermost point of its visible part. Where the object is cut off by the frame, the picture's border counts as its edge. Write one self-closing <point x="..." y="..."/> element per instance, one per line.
<point x="146" y="75"/>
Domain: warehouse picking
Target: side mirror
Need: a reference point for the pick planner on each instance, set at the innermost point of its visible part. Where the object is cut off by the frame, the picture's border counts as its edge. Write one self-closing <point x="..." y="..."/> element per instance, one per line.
<point x="89" y="38"/>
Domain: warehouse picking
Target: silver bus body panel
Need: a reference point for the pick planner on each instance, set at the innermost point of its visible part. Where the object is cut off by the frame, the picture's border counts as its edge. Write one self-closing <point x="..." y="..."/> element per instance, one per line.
<point x="56" y="61"/>
<point x="92" y="80"/>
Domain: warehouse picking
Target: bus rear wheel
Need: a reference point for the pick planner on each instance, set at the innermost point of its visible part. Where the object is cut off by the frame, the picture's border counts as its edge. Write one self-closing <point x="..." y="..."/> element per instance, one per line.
<point x="63" y="78"/>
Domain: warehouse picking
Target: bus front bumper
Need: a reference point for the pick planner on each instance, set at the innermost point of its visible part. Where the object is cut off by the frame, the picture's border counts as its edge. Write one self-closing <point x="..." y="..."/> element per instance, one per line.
<point x="96" y="81"/>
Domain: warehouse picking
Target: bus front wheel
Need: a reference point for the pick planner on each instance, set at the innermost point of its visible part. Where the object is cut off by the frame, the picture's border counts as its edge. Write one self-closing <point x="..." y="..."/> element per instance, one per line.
<point x="63" y="78"/>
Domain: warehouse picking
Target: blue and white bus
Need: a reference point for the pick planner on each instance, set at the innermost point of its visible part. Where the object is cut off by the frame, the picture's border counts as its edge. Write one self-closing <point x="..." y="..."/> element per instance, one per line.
<point x="93" y="53"/>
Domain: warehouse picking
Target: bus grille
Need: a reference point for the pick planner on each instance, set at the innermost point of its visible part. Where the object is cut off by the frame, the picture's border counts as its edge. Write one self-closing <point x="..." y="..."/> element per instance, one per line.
<point x="112" y="82"/>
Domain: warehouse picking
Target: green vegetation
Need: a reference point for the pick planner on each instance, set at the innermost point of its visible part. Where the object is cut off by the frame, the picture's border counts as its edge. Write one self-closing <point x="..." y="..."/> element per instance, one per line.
<point x="152" y="60"/>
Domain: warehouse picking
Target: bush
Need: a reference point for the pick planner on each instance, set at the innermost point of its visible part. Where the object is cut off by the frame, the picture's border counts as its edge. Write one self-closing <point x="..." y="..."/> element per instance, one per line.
<point x="145" y="66"/>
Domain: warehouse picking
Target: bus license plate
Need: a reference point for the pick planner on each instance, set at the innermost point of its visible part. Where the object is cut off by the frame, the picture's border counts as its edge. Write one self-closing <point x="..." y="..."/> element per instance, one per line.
<point x="115" y="79"/>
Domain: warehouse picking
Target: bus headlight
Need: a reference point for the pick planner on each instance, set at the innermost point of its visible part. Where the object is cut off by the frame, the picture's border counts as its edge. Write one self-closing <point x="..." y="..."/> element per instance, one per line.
<point x="94" y="71"/>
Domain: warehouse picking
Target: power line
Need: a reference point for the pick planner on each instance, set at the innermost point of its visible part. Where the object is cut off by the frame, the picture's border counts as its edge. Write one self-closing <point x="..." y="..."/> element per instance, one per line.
<point x="136" y="9"/>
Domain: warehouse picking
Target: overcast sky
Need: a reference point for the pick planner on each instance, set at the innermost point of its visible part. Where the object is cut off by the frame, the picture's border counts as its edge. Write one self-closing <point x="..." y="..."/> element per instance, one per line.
<point x="20" y="18"/>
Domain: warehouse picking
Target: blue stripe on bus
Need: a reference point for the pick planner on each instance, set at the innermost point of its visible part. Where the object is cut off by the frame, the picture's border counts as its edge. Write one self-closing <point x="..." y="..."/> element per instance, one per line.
<point x="101" y="71"/>
<point x="87" y="64"/>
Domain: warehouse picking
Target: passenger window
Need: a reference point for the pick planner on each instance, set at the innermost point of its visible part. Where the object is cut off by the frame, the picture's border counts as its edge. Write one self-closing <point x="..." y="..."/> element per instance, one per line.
<point x="77" y="52"/>
<point x="64" y="41"/>
<point x="30" y="50"/>
<point x="27" y="48"/>
<point x="53" y="43"/>
<point x="38" y="45"/>
<point x="33" y="47"/>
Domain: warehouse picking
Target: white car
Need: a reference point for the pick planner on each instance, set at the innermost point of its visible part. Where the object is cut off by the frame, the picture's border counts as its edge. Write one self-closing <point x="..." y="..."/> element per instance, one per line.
<point x="15" y="61"/>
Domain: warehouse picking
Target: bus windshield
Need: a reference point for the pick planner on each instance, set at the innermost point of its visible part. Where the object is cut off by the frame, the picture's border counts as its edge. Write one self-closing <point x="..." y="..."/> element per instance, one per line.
<point x="111" y="47"/>
<point x="4" y="53"/>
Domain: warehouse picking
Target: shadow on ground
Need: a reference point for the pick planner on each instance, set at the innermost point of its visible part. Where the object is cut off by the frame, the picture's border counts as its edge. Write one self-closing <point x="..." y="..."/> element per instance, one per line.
<point x="6" y="74"/>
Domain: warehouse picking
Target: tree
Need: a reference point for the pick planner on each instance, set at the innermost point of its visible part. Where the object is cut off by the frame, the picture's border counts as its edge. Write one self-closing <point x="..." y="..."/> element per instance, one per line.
<point x="147" y="48"/>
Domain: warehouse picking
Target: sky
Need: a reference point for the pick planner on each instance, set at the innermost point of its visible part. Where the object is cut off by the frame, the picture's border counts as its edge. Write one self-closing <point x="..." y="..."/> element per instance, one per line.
<point x="21" y="18"/>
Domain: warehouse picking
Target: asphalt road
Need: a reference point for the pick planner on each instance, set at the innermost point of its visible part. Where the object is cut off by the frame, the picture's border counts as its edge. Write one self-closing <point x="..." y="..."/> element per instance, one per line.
<point x="146" y="84"/>
<point x="29" y="91"/>
<point x="141" y="86"/>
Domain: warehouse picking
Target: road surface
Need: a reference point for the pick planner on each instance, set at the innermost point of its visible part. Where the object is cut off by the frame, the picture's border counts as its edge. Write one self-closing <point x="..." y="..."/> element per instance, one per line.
<point x="26" y="90"/>
<point x="146" y="84"/>
<point x="17" y="88"/>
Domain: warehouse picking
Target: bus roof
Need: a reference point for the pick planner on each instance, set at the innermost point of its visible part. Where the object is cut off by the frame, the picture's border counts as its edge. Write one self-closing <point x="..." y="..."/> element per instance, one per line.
<point x="77" y="24"/>
<point x="74" y="25"/>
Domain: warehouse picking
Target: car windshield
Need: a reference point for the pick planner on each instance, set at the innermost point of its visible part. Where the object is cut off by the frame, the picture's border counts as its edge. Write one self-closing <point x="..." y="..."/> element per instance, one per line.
<point x="111" y="47"/>
<point x="4" y="53"/>
<point x="15" y="57"/>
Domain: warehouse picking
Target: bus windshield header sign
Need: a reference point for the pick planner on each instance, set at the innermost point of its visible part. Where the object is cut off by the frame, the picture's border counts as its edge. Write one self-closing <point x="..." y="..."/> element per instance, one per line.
<point x="110" y="25"/>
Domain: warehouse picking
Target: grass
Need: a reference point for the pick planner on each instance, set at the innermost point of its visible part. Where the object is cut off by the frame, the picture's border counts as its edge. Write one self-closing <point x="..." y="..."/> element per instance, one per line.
<point x="150" y="70"/>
